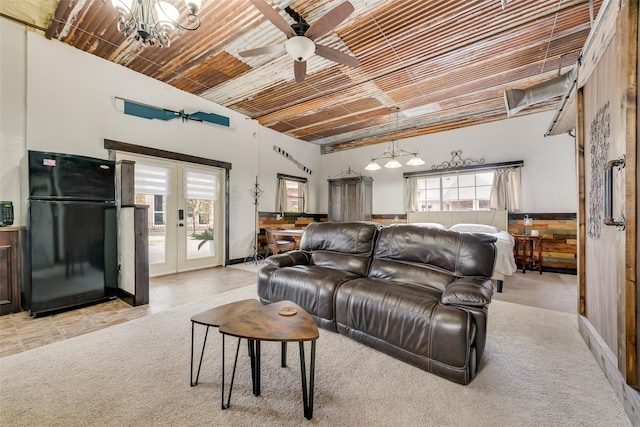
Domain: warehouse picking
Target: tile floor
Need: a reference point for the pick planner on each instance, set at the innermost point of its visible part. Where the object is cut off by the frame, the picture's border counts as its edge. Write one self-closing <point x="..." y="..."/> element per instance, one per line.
<point x="19" y="332"/>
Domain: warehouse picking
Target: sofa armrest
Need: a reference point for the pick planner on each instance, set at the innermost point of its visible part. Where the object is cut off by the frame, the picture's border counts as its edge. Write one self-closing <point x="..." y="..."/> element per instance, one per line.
<point x="470" y="291"/>
<point x="289" y="259"/>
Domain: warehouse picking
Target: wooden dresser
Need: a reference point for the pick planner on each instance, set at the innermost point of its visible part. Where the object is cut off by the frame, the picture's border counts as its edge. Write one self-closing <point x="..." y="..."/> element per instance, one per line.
<point x="10" y="269"/>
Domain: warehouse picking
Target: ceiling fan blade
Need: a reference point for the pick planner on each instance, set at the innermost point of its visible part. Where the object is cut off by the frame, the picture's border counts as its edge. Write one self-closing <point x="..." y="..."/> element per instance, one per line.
<point x="273" y="16"/>
<point x="300" y="70"/>
<point x="276" y="48"/>
<point x="329" y="20"/>
<point x="337" y="56"/>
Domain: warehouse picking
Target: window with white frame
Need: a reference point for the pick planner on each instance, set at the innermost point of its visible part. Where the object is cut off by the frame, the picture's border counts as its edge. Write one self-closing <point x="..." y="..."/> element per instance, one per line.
<point x="460" y="191"/>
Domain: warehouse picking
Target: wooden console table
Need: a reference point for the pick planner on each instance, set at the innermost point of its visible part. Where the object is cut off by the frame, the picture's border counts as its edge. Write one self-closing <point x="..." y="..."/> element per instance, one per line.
<point x="528" y="252"/>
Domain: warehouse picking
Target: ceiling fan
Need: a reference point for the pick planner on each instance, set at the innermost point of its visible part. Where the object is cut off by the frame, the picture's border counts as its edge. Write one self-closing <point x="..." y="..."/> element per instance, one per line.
<point x="300" y="42"/>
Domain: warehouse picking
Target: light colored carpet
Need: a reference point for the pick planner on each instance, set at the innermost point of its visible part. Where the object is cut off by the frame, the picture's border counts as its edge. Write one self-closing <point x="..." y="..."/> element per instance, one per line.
<point x="537" y="371"/>
<point x="553" y="291"/>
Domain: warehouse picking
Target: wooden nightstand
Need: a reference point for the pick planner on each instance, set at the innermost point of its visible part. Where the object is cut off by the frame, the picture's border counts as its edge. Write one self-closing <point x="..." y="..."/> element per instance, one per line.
<point x="528" y="251"/>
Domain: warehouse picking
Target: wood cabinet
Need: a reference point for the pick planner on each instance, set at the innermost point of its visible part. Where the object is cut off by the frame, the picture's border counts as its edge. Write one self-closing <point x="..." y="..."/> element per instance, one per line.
<point x="350" y="199"/>
<point x="10" y="270"/>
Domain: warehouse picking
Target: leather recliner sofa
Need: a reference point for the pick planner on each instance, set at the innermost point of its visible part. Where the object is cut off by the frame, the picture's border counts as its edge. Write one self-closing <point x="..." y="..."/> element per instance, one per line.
<point x="416" y="293"/>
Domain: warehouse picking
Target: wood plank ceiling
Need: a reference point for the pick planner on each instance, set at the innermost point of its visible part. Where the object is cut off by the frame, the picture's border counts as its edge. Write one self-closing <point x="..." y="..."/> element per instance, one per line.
<point x="443" y="63"/>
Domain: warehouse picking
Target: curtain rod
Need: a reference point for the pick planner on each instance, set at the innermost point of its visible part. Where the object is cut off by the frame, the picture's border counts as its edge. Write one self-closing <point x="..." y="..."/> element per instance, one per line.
<point x="291" y="177"/>
<point x="518" y="163"/>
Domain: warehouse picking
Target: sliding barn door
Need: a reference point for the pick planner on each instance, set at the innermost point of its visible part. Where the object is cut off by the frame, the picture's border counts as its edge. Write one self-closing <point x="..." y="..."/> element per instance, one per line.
<point x="607" y="155"/>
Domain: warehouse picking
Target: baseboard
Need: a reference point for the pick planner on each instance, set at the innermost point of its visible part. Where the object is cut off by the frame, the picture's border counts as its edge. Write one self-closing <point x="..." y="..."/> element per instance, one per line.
<point x="126" y="296"/>
<point x="629" y="397"/>
<point x="572" y="271"/>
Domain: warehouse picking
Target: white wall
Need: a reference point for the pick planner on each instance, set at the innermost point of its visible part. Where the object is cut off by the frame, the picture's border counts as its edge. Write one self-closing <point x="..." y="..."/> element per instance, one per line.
<point x="549" y="182"/>
<point x="12" y="111"/>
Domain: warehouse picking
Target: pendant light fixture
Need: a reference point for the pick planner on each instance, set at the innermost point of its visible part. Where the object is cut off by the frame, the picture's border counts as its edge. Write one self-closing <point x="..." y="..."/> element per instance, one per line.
<point x="394" y="152"/>
<point x="153" y="21"/>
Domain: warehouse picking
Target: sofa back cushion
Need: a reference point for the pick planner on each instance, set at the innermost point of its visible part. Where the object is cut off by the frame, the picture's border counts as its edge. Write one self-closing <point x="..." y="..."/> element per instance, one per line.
<point x="430" y="256"/>
<point x="342" y="245"/>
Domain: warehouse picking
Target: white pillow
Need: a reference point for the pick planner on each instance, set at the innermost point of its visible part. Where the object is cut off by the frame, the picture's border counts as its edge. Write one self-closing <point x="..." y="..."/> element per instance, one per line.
<point x="474" y="228"/>
<point x="429" y="225"/>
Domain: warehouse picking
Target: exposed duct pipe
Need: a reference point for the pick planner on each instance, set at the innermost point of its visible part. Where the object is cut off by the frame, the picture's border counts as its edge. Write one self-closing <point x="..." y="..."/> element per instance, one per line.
<point x="517" y="99"/>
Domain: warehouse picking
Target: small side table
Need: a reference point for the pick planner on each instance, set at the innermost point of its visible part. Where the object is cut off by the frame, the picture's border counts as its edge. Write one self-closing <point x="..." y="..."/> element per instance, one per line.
<point x="214" y="318"/>
<point x="527" y="252"/>
<point x="266" y="323"/>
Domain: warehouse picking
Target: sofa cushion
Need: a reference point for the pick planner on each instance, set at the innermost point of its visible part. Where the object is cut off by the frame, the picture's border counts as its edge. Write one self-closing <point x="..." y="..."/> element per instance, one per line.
<point x="341" y="245"/>
<point x="469" y="291"/>
<point x="309" y="286"/>
<point x="409" y="318"/>
<point x="443" y="252"/>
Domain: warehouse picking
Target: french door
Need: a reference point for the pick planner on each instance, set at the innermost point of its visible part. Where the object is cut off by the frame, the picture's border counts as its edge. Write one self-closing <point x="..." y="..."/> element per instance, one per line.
<point x="185" y="213"/>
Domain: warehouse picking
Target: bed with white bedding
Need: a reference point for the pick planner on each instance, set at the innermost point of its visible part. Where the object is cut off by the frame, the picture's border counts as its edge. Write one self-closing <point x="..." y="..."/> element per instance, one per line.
<point x="492" y="222"/>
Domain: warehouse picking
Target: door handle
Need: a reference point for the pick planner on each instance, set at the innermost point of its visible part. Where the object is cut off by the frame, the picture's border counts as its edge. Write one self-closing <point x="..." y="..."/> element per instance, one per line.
<point x="180" y="225"/>
<point x="608" y="219"/>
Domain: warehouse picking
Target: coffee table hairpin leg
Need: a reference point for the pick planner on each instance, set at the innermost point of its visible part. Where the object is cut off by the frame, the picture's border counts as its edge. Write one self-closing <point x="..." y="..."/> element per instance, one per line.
<point x="254" y="356"/>
<point x="307" y="395"/>
<point x="235" y="363"/>
<point x="194" y="383"/>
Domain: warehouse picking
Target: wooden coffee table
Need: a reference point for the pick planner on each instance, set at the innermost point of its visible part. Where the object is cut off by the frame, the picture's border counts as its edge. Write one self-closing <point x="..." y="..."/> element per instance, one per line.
<point x="214" y="318"/>
<point x="256" y="323"/>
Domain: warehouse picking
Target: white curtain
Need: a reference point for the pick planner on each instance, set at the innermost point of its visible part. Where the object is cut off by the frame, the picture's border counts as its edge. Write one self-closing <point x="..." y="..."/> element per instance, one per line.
<point x="506" y="190"/>
<point x="305" y="199"/>
<point x="281" y="195"/>
<point x="411" y="194"/>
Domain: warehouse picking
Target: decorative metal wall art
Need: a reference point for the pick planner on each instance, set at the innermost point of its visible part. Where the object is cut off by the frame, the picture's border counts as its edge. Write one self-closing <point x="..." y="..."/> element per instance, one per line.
<point x="290" y="157"/>
<point x="457" y="161"/>
<point x="599" y="150"/>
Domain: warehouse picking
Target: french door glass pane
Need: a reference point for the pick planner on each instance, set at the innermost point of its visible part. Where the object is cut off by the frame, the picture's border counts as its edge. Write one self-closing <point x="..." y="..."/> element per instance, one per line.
<point x="200" y="228"/>
<point x="157" y="227"/>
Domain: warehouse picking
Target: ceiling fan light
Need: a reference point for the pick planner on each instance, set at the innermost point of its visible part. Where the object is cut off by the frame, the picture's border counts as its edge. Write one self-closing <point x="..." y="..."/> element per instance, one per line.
<point x="372" y="166"/>
<point x="393" y="164"/>
<point x="300" y="48"/>
<point x="415" y="161"/>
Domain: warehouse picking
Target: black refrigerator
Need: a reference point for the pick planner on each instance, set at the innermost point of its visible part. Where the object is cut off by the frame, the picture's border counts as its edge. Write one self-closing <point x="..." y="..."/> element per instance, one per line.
<point x="72" y="232"/>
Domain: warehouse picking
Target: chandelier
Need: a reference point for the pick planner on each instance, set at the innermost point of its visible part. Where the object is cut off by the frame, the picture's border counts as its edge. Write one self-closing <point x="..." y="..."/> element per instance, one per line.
<point x="393" y="152"/>
<point x="152" y="21"/>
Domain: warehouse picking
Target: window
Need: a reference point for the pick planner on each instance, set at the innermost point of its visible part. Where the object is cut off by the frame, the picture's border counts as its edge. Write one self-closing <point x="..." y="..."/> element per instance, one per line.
<point x="295" y="195"/>
<point x="470" y="191"/>
<point x="158" y="210"/>
<point x="291" y="194"/>
<point x="152" y="187"/>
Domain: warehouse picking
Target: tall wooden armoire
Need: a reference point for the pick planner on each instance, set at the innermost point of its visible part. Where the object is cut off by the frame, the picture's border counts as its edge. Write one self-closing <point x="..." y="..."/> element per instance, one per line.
<point x="350" y="199"/>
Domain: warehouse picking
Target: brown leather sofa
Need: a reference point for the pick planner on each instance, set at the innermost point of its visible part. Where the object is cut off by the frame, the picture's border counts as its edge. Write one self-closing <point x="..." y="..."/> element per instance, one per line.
<point x="418" y="294"/>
